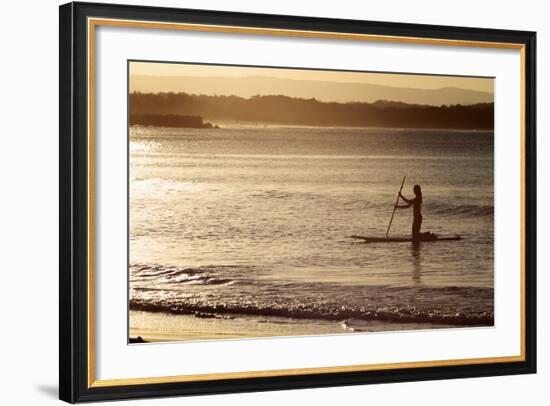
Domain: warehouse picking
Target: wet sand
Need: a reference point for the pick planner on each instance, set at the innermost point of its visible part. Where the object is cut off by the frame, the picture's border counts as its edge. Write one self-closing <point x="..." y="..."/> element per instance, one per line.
<point x="157" y="326"/>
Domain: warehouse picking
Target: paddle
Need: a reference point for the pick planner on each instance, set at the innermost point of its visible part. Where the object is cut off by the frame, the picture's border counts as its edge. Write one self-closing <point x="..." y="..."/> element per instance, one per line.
<point x="395" y="206"/>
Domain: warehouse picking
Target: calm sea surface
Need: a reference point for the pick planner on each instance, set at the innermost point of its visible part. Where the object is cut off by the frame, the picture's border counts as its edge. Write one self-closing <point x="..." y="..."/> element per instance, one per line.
<point x="256" y="221"/>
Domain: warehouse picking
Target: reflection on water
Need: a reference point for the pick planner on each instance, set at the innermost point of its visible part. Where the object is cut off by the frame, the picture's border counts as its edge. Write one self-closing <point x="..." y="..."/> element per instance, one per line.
<point x="416" y="260"/>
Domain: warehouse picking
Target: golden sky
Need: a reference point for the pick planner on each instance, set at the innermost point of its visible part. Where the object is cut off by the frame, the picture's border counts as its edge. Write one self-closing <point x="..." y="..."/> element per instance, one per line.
<point x="162" y="77"/>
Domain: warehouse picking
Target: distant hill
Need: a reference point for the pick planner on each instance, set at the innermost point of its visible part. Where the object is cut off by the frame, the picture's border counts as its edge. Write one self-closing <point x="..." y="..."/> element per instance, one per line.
<point x="284" y="110"/>
<point x="338" y="91"/>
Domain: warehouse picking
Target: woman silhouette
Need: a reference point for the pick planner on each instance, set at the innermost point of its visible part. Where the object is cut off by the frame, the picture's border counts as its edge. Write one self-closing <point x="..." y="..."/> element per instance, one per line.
<point x="416" y="203"/>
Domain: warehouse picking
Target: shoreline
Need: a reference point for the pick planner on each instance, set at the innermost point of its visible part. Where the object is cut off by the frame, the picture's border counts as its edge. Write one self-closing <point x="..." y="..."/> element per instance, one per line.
<point x="165" y="327"/>
<point x="236" y="125"/>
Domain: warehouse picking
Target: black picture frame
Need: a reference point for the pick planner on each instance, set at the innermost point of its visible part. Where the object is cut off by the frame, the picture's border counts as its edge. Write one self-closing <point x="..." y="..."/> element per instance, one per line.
<point x="74" y="385"/>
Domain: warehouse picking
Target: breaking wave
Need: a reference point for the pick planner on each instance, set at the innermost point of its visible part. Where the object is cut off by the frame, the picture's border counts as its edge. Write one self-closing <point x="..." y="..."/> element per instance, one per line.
<point x="219" y="291"/>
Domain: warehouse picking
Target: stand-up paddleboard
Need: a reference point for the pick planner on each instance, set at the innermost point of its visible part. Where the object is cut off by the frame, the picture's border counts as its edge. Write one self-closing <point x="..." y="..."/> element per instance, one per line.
<point x="406" y="239"/>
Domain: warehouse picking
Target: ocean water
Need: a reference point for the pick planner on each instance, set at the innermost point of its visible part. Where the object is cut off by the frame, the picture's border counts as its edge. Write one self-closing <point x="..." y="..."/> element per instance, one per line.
<point x="255" y="222"/>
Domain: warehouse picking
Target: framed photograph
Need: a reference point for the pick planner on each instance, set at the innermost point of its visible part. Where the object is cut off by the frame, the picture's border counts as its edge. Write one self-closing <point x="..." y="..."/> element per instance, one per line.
<point x="256" y="202"/>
